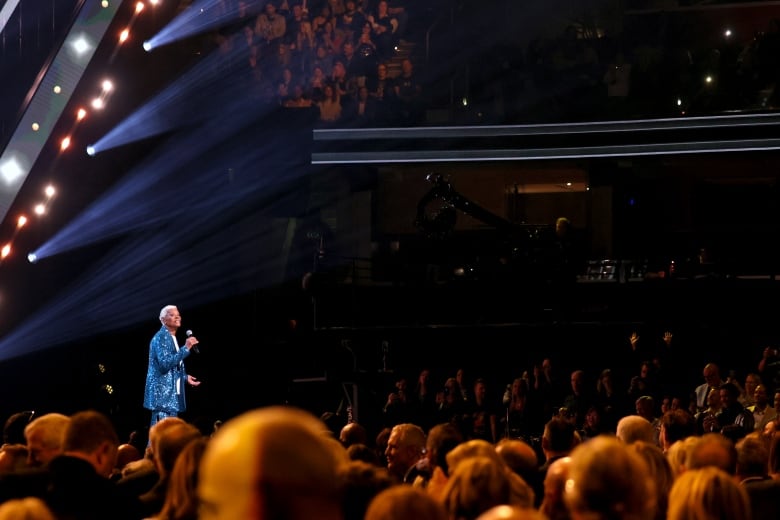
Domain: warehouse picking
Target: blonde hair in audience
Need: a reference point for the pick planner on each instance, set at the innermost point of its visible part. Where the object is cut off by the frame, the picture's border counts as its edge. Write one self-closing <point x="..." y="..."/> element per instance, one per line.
<point x="677" y="453"/>
<point x="609" y="481"/>
<point x="404" y="502"/>
<point x="660" y="472"/>
<point x="30" y="508"/>
<point x="181" y="499"/>
<point x="505" y="512"/>
<point x="477" y="484"/>
<point x="708" y="493"/>
<point x="469" y="449"/>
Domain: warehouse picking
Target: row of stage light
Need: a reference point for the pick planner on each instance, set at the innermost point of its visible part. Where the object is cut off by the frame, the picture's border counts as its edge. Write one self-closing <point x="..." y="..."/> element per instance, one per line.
<point x="16" y="164"/>
<point x="197" y="18"/>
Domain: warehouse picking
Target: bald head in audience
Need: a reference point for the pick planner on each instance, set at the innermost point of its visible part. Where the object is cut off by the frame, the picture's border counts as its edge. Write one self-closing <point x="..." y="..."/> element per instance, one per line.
<point x="272" y="462"/>
<point x="632" y="428"/>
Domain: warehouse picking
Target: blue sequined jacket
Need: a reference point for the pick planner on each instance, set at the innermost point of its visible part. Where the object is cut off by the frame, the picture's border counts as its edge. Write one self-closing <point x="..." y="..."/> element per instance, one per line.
<point x="166" y="368"/>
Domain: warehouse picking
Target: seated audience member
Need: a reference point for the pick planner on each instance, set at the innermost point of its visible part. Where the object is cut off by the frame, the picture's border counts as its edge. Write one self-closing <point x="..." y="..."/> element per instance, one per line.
<point x="181" y="499"/>
<point x="140" y="476"/>
<point x="553" y="504"/>
<point x="290" y="451"/>
<point x="442" y="438"/>
<point x="362" y="452"/>
<point x="353" y="433"/>
<point x="708" y="492"/>
<point x="675" y="425"/>
<point x="400" y="502"/>
<point x="30" y="508"/>
<point x="713" y="449"/>
<point x="632" y="428"/>
<point x="126" y="454"/>
<point x="734" y="420"/>
<point x="678" y="453"/>
<point x="405" y="449"/>
<point x="43" y="437"/>
<point x="78" y="483"/>
<point x="520" y="457"/>
<point x="362" y="482"/>
<point x="478" y="483"/>
<point x="774" y="456"/>
<point x="712" y="381"/>
<point x="763" y="412"/>
<point x="558" y="440"/>
<point x="13" y="457"/>
<point x="753" y="474"/>
<point x="660" y="472"/>
<point x="609" y="480"/>
<point x="506" y="512"/>
<point x="167" y="445"/>
<point x="706" y="419"/>
<point x="469" y="449"/>
<point x="13" y="429"/>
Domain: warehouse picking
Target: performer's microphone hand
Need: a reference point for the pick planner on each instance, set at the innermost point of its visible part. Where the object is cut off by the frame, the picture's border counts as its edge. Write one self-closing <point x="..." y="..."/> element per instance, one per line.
<point x="194" y="347"/>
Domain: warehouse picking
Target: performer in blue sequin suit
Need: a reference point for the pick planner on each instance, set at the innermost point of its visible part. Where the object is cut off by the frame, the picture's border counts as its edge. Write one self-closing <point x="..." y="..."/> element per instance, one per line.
<point x="166" y="375"/>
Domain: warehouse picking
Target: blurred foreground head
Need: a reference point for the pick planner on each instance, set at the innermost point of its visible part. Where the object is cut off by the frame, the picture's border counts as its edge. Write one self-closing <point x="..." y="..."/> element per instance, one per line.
<point x="273" y="462"/>
<point x="607" y="480"/>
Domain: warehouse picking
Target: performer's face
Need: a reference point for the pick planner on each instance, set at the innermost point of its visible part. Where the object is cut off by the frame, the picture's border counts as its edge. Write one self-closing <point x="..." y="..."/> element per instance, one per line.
<point x="172" y="319"/>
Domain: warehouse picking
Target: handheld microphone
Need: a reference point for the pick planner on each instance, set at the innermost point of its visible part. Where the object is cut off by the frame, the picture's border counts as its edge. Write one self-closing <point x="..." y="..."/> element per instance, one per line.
<point x="194" y="347"/>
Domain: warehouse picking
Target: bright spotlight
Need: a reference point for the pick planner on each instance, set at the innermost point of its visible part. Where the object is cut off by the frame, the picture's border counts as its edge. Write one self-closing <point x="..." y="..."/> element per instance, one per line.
<point x="81" y="45"/>
<point x="11" y="170"/>
<point x="32" y="258"/>
<point x="91" y="151"/>
<point x="65" y="143"/>
<point x="49" y="191"/>
<point x="107" y="85"/>
<point x="39" y="209"/>
<point x="5" y="251"/>
<point x="147" y="46"/>
<point x="21" y="221"/>
<point x="81" y="114"/>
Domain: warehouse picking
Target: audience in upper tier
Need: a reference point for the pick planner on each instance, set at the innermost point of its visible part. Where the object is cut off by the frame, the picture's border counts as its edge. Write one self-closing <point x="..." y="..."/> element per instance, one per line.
<point x="383" y="64"/>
